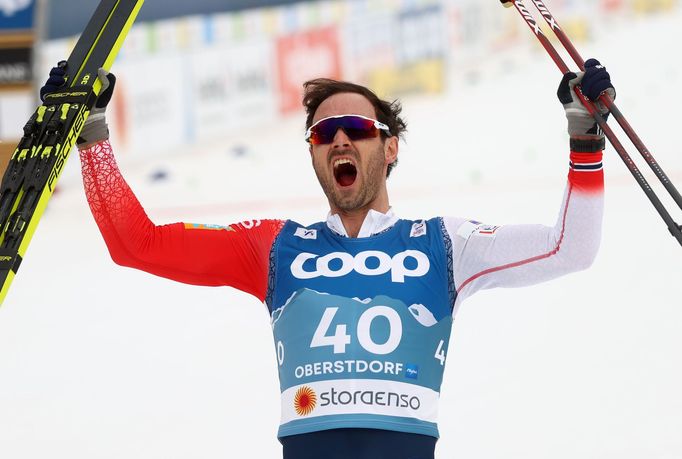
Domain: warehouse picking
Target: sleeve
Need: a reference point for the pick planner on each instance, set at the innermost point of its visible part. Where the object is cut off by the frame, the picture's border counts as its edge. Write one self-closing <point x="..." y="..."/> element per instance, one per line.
<point x="236" y="255"/>
<point x="486" y="256"/>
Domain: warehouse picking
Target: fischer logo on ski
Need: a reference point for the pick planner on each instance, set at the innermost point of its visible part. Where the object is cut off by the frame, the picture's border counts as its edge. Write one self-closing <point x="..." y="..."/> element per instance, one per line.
<point x="51" y="132"/>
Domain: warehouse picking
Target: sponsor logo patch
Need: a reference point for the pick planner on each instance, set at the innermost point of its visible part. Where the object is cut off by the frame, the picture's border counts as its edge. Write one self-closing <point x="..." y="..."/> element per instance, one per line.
<point x="336" y="397"/>
<point x="199" y="226"/>
<point x="418" y="229"/>
<point x="410" y="263"/>
<point x="472" y="227"/>
<point x="487" y="230"/>
<point x="305" y="401"/>
<point x="412" y="371"/>
<point x="404" y="398"/>
<point x="305" y="233"/>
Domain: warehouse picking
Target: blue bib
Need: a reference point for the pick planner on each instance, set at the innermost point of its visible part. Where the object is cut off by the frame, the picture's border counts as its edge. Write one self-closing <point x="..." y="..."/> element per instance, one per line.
<point x="361" y="326"/>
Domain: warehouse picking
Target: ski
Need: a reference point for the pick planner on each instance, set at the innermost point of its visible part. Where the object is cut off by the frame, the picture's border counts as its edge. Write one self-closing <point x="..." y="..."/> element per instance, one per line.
<point x="51" y="132"/>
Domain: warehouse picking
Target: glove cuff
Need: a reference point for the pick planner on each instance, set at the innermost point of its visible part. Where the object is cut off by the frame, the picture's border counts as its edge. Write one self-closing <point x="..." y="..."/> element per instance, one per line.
<point x="94" y="130"/>
<point x="587" y="145"/>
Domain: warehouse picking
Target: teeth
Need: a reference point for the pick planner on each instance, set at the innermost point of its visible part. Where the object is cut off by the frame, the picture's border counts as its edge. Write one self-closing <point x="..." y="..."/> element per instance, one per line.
<point x="338" y="162"/>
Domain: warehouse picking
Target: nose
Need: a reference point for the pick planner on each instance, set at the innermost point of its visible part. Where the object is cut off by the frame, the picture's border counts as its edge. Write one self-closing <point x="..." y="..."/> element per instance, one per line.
<point x="340" y="139"/>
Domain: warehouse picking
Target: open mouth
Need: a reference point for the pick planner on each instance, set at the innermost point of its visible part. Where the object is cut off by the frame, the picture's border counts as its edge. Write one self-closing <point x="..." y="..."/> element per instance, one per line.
<point x="345" y="172"/>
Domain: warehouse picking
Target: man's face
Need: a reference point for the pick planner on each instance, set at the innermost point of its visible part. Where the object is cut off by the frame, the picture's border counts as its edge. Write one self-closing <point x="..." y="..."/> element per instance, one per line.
<point x="352" y="172"/>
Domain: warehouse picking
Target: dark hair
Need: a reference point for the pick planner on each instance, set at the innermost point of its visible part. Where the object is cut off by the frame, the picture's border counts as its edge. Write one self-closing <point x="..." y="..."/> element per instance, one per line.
<point x="318" y="90"/>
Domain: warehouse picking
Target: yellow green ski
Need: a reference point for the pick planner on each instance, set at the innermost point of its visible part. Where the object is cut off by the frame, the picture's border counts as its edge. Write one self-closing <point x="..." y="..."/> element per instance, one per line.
<point x="49" y="135"/>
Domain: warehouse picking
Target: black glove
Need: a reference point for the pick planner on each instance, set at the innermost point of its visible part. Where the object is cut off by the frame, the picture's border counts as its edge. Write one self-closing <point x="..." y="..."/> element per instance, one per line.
<point x="594" y="82"/>
<point x="55" y="82"/>
<point x="95" y="128"/>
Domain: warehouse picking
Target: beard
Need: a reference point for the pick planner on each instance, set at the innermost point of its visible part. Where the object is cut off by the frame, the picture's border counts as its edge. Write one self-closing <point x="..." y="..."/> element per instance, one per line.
<point x="372" y="175"/>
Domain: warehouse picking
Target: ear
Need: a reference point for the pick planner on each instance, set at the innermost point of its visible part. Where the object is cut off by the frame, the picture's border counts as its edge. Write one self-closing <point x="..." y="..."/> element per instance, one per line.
<point x="391" y="150"/>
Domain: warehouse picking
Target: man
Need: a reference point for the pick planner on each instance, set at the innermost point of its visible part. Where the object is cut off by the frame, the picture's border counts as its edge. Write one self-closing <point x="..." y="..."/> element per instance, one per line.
<point x="361" y="304"/>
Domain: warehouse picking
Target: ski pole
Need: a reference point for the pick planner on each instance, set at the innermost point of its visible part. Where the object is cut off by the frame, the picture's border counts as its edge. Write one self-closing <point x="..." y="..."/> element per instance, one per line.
<point x="674" y="228"/>
<point x="610" y="104"/>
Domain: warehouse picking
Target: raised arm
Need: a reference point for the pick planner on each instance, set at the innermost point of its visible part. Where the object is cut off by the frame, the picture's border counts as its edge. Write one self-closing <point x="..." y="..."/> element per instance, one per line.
<point x="518" y="255"/>
<point x="236" y="255"/>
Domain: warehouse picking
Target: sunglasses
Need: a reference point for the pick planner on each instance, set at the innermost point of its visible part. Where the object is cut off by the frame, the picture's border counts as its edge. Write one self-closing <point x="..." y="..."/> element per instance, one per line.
<point x="356" y="127"/>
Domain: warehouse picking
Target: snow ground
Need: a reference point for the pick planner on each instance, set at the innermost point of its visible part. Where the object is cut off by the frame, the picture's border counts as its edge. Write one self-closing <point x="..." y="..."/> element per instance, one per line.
<point x="98" y="361"/>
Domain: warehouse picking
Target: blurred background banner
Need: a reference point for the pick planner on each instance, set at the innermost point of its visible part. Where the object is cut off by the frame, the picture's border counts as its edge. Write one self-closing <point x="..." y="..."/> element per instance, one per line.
<point x="302" y="56"/>
<point x="65" y="18"/>
<point x="197" y="72"/>
<point x="16" y="54"/>
<point x="16" y="15"/>
<point x="244" y="55"/>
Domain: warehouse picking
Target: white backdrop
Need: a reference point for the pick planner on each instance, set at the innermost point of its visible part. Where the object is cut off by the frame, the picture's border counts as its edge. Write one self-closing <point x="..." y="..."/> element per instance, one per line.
<point x="98" y="361"/>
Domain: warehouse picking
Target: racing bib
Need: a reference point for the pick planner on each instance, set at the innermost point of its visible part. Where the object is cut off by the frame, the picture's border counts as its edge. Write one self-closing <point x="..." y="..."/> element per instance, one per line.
<point x="361" y="326"/>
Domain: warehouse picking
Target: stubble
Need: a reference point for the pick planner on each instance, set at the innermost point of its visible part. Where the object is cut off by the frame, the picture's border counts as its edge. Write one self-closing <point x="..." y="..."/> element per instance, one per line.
<point x="371" y="177"/>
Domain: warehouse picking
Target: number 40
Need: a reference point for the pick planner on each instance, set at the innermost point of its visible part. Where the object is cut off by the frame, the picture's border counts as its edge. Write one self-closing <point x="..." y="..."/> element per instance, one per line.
<point x="340" y="339"/>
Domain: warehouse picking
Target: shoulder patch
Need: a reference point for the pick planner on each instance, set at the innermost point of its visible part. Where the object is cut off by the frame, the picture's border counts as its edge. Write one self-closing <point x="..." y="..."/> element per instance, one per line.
<point x="418" y="229"/>
<point x="471" y="227"/>
<point x="487" y="230"/>
<point x="200" y="226"/>
<point x="305" y="233"/>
